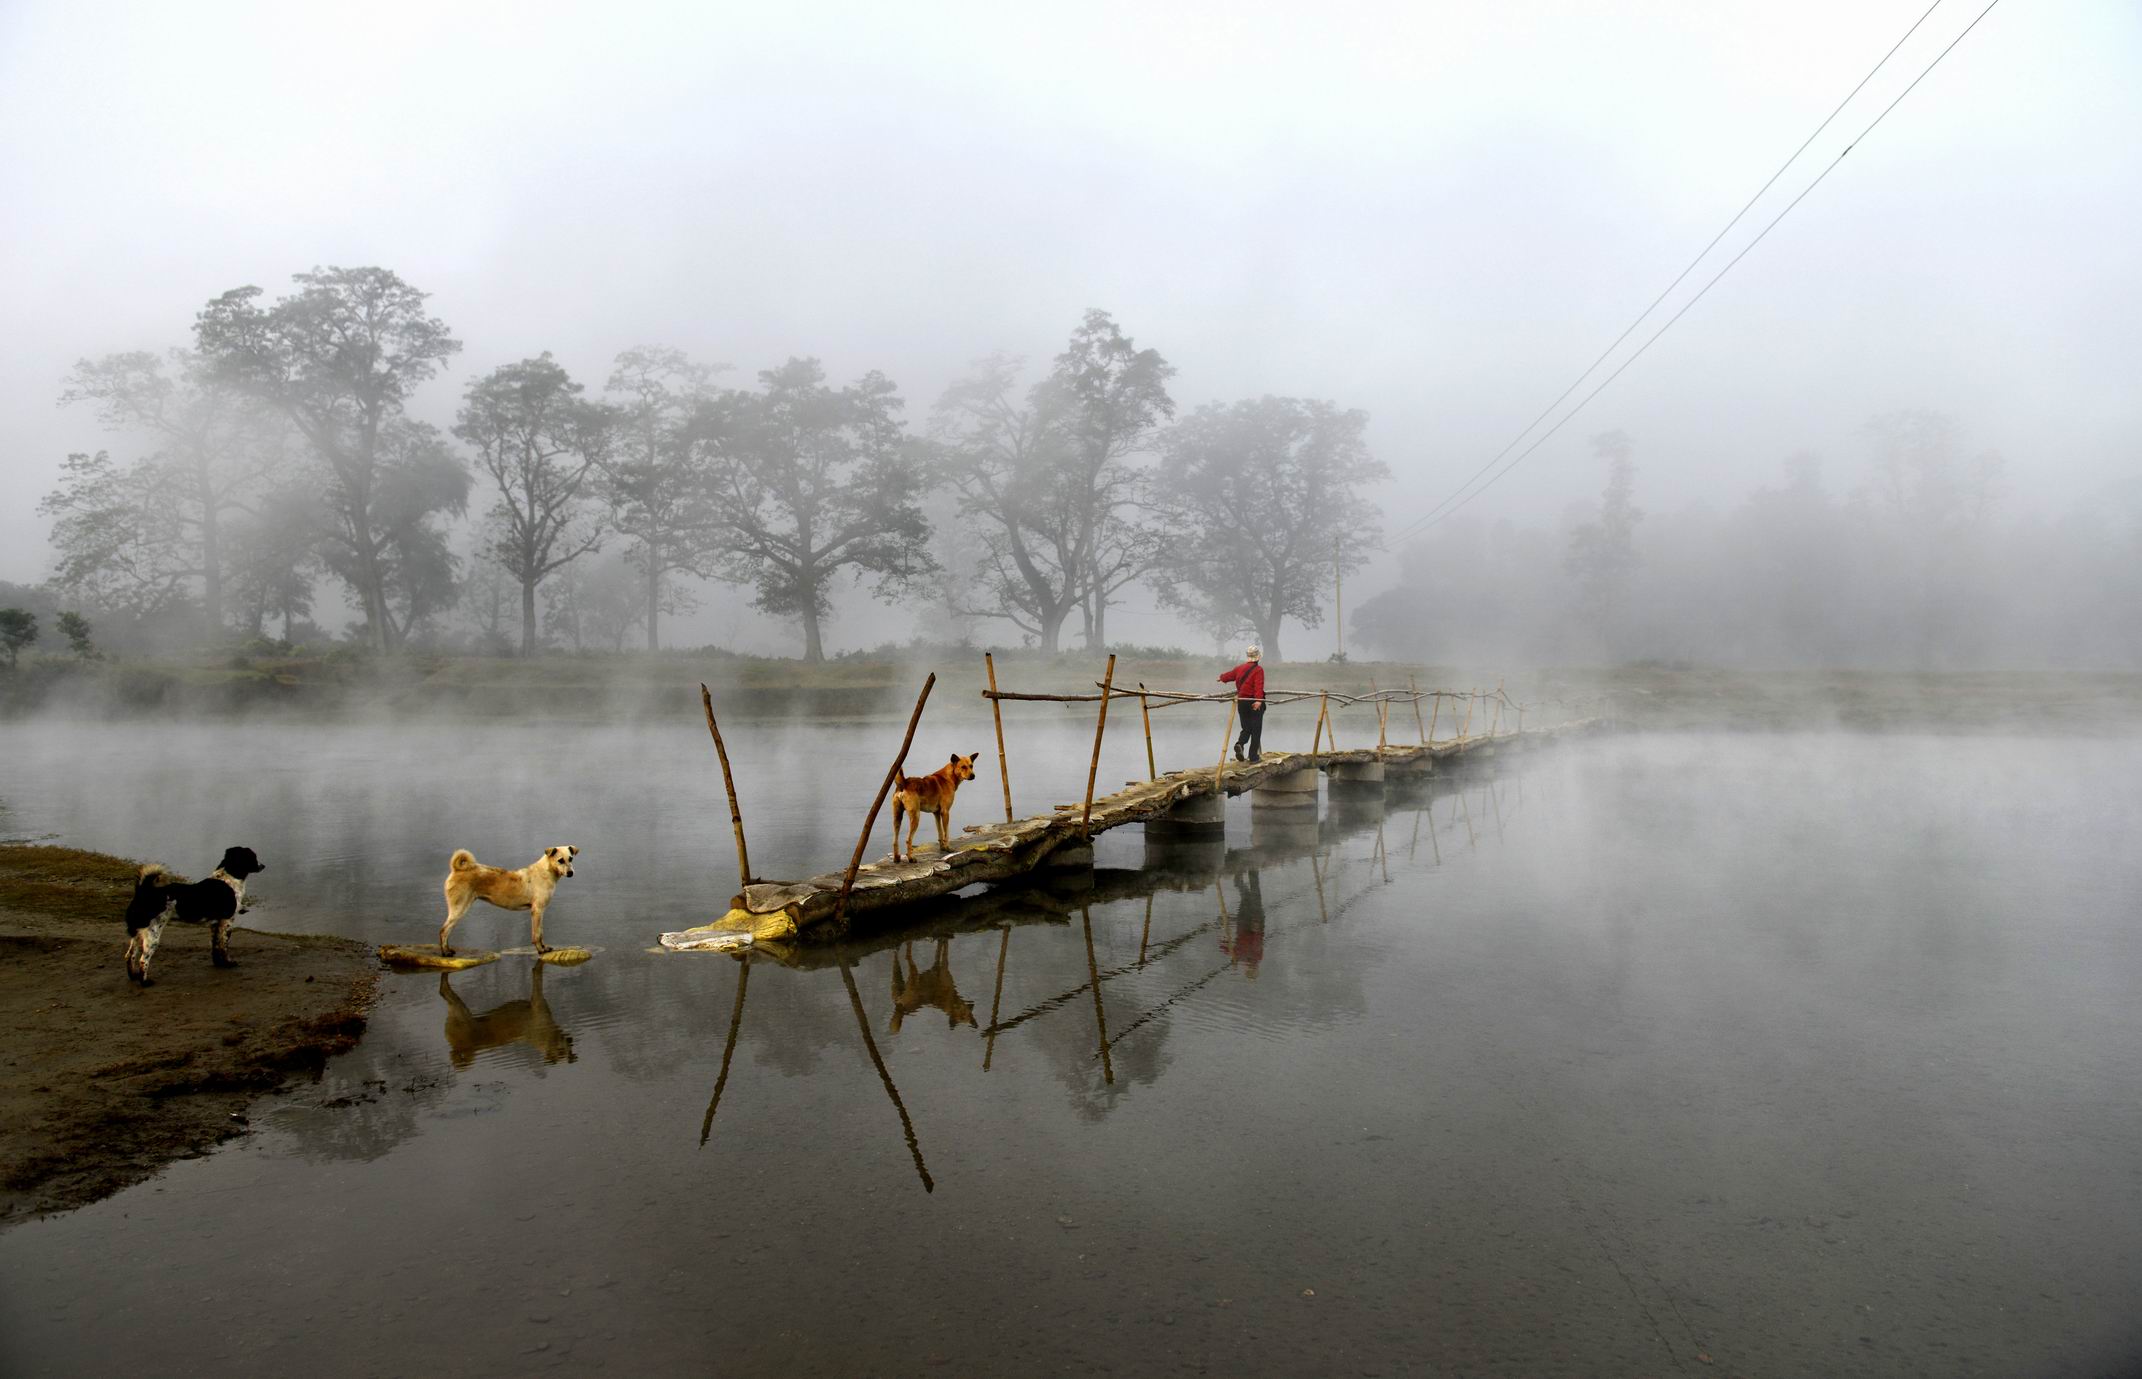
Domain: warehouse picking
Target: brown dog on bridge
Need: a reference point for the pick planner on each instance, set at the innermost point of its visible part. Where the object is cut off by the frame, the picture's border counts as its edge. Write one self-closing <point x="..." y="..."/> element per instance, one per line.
<point x="931" y="794"/>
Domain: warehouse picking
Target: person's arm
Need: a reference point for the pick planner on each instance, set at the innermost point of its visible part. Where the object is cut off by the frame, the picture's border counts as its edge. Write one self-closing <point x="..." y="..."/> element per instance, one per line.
<point x="1228" y="677"/>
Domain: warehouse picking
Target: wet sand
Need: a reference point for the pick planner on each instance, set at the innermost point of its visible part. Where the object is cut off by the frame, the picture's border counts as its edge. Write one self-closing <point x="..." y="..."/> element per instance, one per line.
<point x="103" y="1083"/>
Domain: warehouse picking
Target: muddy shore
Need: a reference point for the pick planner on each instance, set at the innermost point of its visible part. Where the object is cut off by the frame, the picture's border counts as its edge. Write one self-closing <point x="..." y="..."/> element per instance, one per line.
<point x="103" y="1083"/>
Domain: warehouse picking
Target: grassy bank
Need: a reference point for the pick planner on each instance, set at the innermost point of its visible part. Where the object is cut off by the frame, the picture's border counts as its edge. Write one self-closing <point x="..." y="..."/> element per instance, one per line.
<point x="340" y="686"/>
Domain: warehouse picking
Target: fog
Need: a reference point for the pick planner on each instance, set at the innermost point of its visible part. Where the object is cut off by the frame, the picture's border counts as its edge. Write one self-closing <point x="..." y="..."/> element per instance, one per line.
<point x="1434" y="215"/>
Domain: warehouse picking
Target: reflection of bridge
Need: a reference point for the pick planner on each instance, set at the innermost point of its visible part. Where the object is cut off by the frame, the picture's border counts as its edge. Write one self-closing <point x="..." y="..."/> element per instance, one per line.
<point x="1179" y="804"/>
<point x="1182" y="865"/>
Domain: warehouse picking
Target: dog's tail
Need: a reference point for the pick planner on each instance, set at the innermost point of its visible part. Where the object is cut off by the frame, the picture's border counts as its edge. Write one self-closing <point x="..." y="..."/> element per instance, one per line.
<point x="147" y="904"/>
<point x="151" y="874"/>
<point x="463" y="860"/>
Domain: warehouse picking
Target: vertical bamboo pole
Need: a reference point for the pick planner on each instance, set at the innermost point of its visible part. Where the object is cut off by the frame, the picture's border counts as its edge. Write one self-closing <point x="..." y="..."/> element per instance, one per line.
<point x="1145" y="710"/>
<point x="1383" y="717"/>
<point x="1434" y="710"/>
<point x="1323" y="706"/>
<point x="1414" y="685"/>
<point x="892" y="775"/>
<point x="996" y="709"/>
<point x="1219" y="773"/>
<point x="1499" y="701"/>
<point x="728" y="781"/>
<point x="1467" y="731"/>
<point x="1100" y="726"/>
<point x="1331" y="725"/>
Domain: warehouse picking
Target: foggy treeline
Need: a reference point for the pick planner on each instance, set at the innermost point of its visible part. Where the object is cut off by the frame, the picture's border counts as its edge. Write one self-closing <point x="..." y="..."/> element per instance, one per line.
<point x="277" y="457"/>
<point x="260" y="481"/>
<point x="1906" y="554"/>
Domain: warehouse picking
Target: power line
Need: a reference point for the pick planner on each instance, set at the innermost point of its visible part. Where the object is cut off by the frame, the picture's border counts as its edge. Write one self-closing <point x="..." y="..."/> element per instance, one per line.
<point x="1458" y="497"/>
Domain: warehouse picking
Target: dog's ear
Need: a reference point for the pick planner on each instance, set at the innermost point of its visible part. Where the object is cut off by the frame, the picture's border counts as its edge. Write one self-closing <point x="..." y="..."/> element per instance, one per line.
<point x="573" y="850"/>
<point x="955" y="758"/>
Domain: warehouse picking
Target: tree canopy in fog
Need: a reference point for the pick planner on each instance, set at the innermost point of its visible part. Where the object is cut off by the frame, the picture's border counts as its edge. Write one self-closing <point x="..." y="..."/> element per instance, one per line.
<point x="340" y="359"/>
<point x="1266" y="505"/>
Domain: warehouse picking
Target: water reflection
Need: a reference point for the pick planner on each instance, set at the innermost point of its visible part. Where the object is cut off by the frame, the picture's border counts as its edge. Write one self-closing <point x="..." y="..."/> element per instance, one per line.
<point x="527" y="1021"/>
<point x="1297" y="874"/>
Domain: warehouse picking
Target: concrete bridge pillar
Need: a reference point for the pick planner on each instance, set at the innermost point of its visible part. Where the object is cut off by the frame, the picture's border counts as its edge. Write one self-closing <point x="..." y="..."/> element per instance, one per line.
<point x="1293" y="790"/>
<point x="1357" y="777"/>
<point x="1197" y="818"/>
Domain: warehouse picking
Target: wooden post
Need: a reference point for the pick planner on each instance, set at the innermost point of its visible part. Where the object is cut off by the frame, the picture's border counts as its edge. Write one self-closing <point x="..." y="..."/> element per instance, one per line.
<point x="1496" y="722"/>
<point x="1219" y="773"/>
<point x="1323" y="706"/>
<point x="996" y="708"/>
<point x="1100" y="726"/>
<point x="1467" y="730"/>
<point x="728" y="781"/>
<point x="892" y="775"/>
<point x="1434" y="710"/>
<point x="1383" y="714"/>
<point x="1145" y="709"/>
<point x="1414" y="686"/>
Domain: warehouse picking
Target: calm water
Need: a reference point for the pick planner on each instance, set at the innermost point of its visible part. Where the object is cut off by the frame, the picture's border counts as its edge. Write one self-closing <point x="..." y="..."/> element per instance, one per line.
<point x="1809" y="1055"/>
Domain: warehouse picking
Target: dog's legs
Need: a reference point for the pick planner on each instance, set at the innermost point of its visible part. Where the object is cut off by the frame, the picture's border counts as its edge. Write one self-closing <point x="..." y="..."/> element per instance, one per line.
<point x="914" y="821"/>
<point x="944" y="832"/>
<point x="535" y="927"/>
<point x="150" y="937"/>
<point x="134" y="972"/>
<point x="898" y="812"/>
<point x="456" y="907"/>
<point x="220" y="953"/>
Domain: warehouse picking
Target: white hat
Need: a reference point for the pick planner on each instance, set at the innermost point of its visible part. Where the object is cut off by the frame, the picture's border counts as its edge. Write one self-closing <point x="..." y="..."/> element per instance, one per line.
<point x="1255" y="652"/>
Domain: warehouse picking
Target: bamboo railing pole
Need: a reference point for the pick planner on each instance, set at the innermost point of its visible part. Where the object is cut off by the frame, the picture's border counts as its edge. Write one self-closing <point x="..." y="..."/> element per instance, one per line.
<point x="1100" y="726"/>
<point x="996" y="709"/>
<point x="1219" y="773"/>
<point x="1467" y="731"/>
<point x="892" y="775"/>
<point x="728" y="781"/>
<point x="1316" y="739"/>
<point x="1414" y="685"/>
<point x="1496" y="723"/>
<point x="1383" y="717"/>
<point x="1145" y="711"/>
<point x="1433" y="710"/>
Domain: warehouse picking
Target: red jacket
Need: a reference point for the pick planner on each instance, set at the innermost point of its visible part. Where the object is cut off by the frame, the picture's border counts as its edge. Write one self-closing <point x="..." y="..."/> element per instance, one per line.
<point x="1248" y="680"/>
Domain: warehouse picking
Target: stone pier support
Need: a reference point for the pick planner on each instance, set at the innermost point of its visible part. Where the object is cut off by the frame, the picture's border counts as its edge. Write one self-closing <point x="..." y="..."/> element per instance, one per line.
<point x="1289" y="790"/>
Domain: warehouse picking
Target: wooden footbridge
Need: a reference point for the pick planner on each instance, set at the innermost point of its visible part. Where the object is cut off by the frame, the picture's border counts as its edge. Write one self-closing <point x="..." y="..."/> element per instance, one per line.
<point x="1187" y="803"/>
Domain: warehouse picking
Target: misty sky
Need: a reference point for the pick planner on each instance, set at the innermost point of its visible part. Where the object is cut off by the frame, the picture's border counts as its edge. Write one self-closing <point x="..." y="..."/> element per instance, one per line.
<point x="1436" y="213"/>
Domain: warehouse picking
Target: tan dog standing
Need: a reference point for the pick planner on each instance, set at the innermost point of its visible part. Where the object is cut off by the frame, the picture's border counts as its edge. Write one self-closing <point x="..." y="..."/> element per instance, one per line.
<point x="931" y="794"/>
<point x="529" y="888"/>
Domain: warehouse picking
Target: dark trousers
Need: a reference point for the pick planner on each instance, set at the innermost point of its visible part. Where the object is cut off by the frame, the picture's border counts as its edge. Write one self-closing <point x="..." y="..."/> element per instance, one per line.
<point x="1252" y="728"/>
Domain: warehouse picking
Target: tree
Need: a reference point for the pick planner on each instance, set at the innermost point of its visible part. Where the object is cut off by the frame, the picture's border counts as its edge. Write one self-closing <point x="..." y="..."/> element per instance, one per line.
<point x="593" y="600"/>
<point x="539" y="442"/>
<point x="120" y="543"/>
<point x="812" y="481"/>
<point x="1602" y="552"/>
<point x="339" y="359"/>
<point x="274" y="562"/>
<point x="76" y="629"/>
<point x="1263" y="501"/>
<point x="656" y="478"/>
<point x="216" y="450"/>
<point x="18" y="628"/>
<point x="1050" y="476"/>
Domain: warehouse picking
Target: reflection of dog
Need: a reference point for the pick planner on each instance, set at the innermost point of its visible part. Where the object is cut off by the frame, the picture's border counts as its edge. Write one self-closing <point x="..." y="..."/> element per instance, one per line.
<point x="468" y="881"/>
<point x="931" y="794"/>
<point x="931" y="988"/>
<point x="218" y="901"/>
<point x="516" y="1022"/>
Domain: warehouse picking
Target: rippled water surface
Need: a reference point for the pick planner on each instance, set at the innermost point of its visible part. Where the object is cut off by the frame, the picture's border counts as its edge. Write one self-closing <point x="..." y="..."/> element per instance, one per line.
<point x="1736" y="1055"/>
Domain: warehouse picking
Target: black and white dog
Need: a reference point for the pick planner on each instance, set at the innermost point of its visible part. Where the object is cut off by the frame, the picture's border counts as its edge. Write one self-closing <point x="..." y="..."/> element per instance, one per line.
<point x="218" y="901"/>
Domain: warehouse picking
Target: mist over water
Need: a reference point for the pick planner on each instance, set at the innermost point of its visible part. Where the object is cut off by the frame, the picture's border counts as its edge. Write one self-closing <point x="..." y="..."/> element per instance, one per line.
<point x="1809" y="1053"/>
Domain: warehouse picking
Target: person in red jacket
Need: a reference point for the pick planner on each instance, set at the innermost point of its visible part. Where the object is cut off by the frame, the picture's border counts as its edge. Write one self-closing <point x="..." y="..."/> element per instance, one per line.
<point x="1248" y="680"/>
